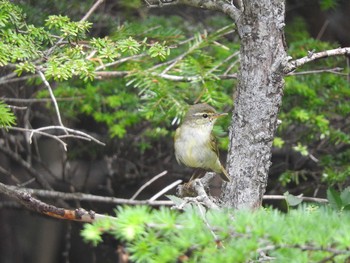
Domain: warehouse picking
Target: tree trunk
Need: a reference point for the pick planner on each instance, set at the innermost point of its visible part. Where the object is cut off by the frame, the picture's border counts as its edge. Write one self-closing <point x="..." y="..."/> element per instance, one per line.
<point x="259" y="96"/>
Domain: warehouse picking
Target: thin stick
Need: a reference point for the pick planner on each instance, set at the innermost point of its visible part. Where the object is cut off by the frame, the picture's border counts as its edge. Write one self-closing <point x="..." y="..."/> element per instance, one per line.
<point x="148" y="183"/>
<point x="282" y="197"/>
<point x="41" y="133"/>
<point x="166" y="189"/>
<point x="216" y="239"/>
<point x="336" y="70"/>
<point x="47" y="84"/>
<point x="112" y="74"/>
<point x="92" y="9"/>
<point x="122" y="60"/>
<point x="69" y="130"/>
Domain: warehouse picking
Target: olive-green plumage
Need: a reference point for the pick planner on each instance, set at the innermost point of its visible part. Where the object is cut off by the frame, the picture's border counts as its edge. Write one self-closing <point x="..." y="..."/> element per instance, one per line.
<point x="195" y="145"/>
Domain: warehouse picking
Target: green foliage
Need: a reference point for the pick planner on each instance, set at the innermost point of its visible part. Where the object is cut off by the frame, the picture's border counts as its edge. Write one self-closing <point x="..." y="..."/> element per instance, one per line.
<point x="339" y="201"/>
<point x="312" y="107"/>
<point x="65" y="52"/>
<point x="305" y="234"/>
<point x="7" y="118"/>
<point x="143" y="95"/>
<point x="328" y="4"/>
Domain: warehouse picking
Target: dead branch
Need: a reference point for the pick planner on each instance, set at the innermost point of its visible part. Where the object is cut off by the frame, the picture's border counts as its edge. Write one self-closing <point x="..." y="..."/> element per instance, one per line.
<point x="294" y="64"/>
<point x="91" y="198"/>
<point x="36" y="205"/>
<point x="227" y="8"/>
<point x="148" y="183"/>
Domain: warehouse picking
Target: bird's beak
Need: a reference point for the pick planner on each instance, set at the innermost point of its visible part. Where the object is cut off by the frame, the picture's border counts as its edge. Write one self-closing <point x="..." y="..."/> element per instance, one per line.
<point x="218" y="115"/>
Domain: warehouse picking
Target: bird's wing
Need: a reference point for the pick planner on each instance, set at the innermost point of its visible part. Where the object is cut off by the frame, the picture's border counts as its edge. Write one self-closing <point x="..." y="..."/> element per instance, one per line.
<point x="213" y="144"/>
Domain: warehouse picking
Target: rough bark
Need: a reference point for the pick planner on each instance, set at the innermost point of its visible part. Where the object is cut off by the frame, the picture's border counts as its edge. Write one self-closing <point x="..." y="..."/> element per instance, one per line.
<point x="259" y="96"/>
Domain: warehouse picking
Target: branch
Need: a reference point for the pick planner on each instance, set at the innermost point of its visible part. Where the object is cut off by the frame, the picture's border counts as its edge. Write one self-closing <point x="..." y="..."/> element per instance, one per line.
<point x="79" y="133"/>
<point x="39" y="132"/>
<point x="70" y="133"/>
<point x="111" y="74"/>
<point x="91" y="198"/>
<point x="92" y="9"/>
<point x="148" y="183"/>
<point x="119" y="61"/>
<point x="194" y="192"/>
<point x="222" y="6"/>
<point x="14" y="78"/>
<point x="164" y="190"/>
<point x="304" y="198"/>
<point x="47" y="84"/>
<point x="336" y="70"/>
<point x="36" y="205"/>
<point x="294" y="64"/>
<point x="34" y="100"/>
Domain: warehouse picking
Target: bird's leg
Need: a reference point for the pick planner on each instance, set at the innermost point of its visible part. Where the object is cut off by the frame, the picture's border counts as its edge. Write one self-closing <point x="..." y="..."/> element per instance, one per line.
<point x="197" y="174"/>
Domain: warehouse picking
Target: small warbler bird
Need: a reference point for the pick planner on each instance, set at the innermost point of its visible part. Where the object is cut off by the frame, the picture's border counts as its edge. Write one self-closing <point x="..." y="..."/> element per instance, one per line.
<point x="195" y="145"/>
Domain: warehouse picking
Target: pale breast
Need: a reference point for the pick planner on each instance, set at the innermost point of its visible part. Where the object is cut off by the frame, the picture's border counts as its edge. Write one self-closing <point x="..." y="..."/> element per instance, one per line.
<point x="192" y="149"/>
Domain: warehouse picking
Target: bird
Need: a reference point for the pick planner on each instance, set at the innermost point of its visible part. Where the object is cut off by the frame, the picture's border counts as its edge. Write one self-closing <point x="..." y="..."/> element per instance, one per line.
<point x="194" y="143"/>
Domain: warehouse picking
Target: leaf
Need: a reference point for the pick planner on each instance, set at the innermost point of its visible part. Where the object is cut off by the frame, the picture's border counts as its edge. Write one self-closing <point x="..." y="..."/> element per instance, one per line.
<point x="302" y="149"/>
<point x="7" y="118"/>
<point x="177" y="201"/>
<point x="278" y="142"/>
<point x="334" y="198"/>
<point x="346" y="208"/>
<point x="345" y="196"/>
<point x="292" y="200"/>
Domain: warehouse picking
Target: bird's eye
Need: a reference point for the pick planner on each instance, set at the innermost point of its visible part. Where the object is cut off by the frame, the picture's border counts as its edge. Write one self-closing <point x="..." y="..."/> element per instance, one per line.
<point x="205" y="115"/>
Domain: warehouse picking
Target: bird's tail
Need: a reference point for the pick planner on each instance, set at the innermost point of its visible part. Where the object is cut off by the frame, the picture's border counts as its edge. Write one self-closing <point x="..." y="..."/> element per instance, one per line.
<point x="224" y="175"/>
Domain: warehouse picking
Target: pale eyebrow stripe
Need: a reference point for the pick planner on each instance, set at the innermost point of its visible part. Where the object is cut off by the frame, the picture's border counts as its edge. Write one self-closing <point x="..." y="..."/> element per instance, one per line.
<point x="201" y="113"/>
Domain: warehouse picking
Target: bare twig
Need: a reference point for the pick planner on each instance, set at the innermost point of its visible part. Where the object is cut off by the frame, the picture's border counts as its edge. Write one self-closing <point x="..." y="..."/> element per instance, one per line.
<point x="92" y="9"/>
<point x="47" y="84"/>
<point x="304" y="198"/>
<point x="41" y="133"/>
<point x="148" y="183"/>
<point x="336" y="70"/>
<point x="294" y="64"/>
<point x="164" y="190"/>
<point x="34" y="204"/>
<point x="111" y="74"/>
<point x="16" y="79"/>
<point x="202" y="213"/>
<point x="119" y="61"/>
<point x="34" y="100"/>
<point x="70" y="133"/>
<point x="79" y="133"/>
<point x="227" y="8"/>
<point x="91" y="198"/>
